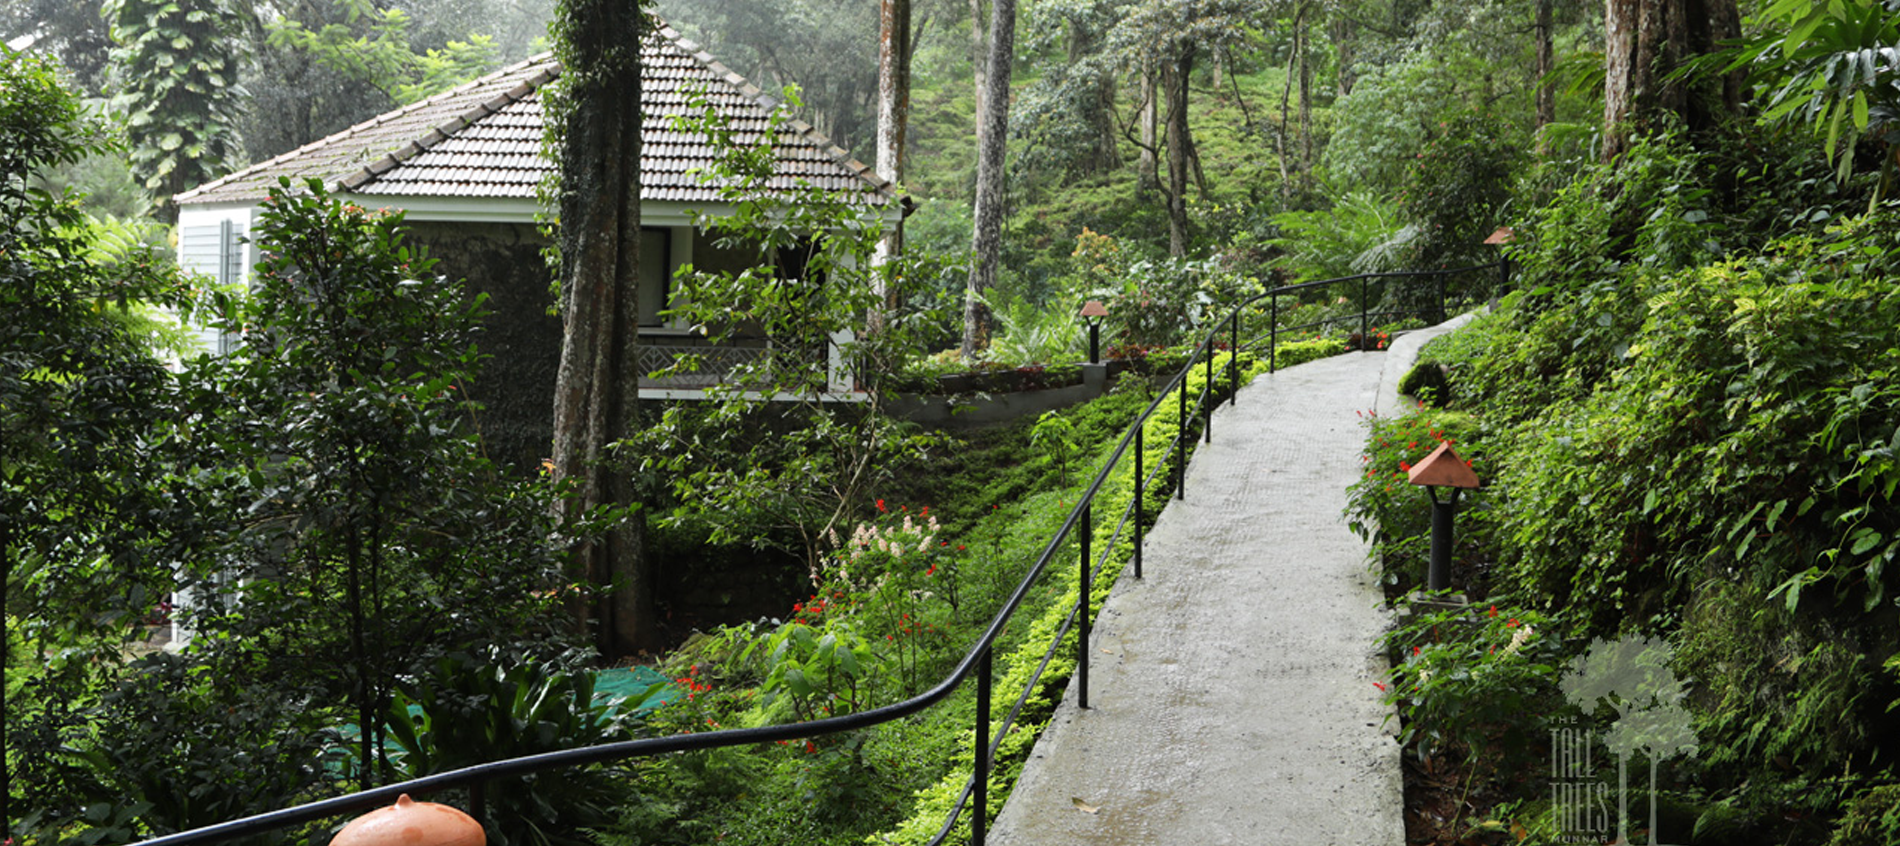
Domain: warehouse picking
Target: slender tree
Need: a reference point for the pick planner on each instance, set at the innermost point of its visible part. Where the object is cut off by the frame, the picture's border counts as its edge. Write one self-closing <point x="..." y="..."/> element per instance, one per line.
<point x="596" y="391"/>
<point x="987" y="238"/>
<point x="893" y="122"/>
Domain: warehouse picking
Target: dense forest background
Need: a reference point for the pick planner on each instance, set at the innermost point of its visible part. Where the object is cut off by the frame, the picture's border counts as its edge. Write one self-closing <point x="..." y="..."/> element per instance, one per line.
<point x="1684" y="411"/>
<point x="1284" y="107"/>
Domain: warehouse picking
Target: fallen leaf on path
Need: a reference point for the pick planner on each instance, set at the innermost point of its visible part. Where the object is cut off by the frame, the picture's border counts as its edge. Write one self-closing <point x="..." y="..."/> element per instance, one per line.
<point x="1082" y="806"/>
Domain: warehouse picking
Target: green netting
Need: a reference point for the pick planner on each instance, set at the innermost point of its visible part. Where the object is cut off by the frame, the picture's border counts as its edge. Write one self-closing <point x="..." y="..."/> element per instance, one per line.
<point x="630" y="683"/>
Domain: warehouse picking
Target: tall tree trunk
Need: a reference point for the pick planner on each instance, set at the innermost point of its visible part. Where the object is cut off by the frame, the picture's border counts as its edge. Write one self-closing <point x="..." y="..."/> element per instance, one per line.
<point x="1148" y="166"/>
<point x="893" y="121"/>
<point x="1645" y="41"/>
<point x="1342" y="32"/>
<point x="1099" y="109"/>
<point x="1304" y="50"/>
<point x="1174" y="79"/>
<point x="978" y="58"/>
<point x="596" y="390"/>
<point x="1546" y="61"/>
<point x="893" y="87"/>
<point x="1284" y="147"/>
<point x="986" y="241"/>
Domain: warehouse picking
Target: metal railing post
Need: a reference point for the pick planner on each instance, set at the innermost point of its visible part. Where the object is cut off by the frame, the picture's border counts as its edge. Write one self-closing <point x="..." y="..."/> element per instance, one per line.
<point x="1082" y="610"/>
<point x="1365" y="305"/>
<point x="1141" y="492"/>
<point x="1441" y="300"/>
<point x="1207" y="390"/>
<point x="980" y="781"/>
<point x="1233" y="358"/>
<point x="1180" y="446"/>
<point x="1273" y="332"/>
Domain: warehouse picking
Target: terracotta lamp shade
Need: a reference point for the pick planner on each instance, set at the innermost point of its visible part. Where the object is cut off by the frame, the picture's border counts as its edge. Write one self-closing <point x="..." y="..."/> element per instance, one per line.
<point x="1443" y="469"/>
<point x="1094" y="308"/>
<point x="412" y="823"/>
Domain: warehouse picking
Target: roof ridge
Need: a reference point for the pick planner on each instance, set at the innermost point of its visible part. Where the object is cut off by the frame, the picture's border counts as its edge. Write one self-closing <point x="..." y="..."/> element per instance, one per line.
<point x="386" y="117"/>
<point x="770" y="104"/>
<point x="443" y="131"/>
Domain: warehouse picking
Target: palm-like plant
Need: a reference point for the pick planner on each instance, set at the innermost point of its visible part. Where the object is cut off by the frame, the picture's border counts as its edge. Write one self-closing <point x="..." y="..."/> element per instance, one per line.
<point x="1836" y="61"/>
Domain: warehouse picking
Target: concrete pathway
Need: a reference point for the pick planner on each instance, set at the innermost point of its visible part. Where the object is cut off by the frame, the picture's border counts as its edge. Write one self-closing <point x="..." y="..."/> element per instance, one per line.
<point x="1232" y="690"/>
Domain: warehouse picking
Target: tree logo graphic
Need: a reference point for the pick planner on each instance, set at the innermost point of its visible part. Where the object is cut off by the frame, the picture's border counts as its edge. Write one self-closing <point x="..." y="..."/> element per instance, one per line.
<point x="1631" y="677"/>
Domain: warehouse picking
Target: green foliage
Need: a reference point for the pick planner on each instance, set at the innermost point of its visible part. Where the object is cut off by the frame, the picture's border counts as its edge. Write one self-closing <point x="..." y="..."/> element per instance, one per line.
<point x="1383" y="507"/>
<point x="469" y="711"/>
<point x="1705" y="449"/>
<point x="1425" y="382"/>
<point x="1480" y="681"/>
<point x="1458" y="189"/>
<point x="176" y="62"/>
<point x="1052" y="434"/>
<point x="1830" y="65"/>
<point x="80" y="389"/>
<point x="1291" y="353"/>
<point x="1357" y="234"/>
<point x="372" y="47"/>
<point x="1871" y="818"/>
<point x="332" y="500"/>
<point x="807" y="299"/>
<point x="184" y="749"/>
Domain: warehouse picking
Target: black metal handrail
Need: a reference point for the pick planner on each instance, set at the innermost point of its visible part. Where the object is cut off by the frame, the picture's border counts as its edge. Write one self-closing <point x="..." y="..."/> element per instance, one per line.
<point x="977" y="661"/>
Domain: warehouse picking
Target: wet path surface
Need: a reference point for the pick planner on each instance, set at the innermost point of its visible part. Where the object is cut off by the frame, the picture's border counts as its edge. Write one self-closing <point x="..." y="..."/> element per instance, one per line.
<point x="1232" y="690"/>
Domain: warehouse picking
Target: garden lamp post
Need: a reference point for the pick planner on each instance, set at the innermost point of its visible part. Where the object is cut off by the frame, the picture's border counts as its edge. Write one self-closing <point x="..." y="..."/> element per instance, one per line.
<point x="1503" y="235"/>
<point x="1092" y="313"/>
<point x="412" y="823"/>
<point x="1442" y="469"/>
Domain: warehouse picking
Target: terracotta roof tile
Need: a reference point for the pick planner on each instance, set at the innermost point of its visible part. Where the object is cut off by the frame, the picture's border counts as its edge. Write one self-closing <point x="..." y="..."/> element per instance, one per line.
<point x="483" y="138"/>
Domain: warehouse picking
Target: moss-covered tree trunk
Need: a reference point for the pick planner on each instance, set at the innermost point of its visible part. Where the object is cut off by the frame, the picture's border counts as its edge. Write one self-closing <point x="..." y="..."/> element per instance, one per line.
<point x="986" y="239"/>
<point x="596" y="390"/>
<point x="1174" y="83"/>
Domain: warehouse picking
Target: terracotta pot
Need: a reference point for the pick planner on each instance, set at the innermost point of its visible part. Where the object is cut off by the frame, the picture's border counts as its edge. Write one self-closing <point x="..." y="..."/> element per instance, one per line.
<point x="412" y="823"/>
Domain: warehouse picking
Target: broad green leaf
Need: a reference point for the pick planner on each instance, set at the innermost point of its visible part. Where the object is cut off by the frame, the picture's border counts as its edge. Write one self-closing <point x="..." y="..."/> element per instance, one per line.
<point x="1864" y="540"/>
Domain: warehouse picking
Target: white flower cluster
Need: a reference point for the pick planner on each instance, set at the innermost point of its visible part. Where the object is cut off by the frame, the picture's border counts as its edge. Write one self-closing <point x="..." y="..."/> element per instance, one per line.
<point x="894" y="541"/>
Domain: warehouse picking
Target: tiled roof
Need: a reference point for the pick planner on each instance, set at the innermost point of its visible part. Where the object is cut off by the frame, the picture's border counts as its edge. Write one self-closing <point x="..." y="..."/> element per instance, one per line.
<point x="483" y="139"/>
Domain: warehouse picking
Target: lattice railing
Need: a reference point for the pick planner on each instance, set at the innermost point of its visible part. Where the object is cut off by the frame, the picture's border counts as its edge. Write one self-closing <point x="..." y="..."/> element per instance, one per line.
<point x="714" y="365"/>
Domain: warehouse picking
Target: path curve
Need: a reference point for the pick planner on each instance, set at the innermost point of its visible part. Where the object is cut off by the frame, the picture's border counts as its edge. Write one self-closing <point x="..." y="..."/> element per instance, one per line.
<point x="1232" y="690"/>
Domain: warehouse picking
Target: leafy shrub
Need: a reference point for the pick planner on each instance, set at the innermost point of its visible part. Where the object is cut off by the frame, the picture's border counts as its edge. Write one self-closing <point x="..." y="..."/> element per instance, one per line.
<point x="1872" y="817"/>
<point x="471" y="711"/>
<point x="1383" y="507"/>
<point x="180" y="747"/>
<point x="1427" y="382"/>
<point x="1457" y="190"/>
<point x="1483" y="681"/>
<point x="1353" y="236"/>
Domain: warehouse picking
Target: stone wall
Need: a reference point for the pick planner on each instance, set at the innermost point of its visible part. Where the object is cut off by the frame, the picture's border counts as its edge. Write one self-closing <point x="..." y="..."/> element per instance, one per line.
<point x="520" y="339"/>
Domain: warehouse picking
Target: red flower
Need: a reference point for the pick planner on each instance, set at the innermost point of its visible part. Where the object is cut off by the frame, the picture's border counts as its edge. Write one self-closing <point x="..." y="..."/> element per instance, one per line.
<point x="880" y="506"/>
<point x="1512" y="624"/>
<point x="1493" y="612"/>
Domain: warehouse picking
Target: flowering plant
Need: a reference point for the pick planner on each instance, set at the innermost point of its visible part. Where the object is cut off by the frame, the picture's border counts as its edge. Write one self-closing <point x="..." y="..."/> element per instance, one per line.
<point x="1480" y="679"/>
<point x="1385" y="508"/>
<point x="872" y="622"/>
